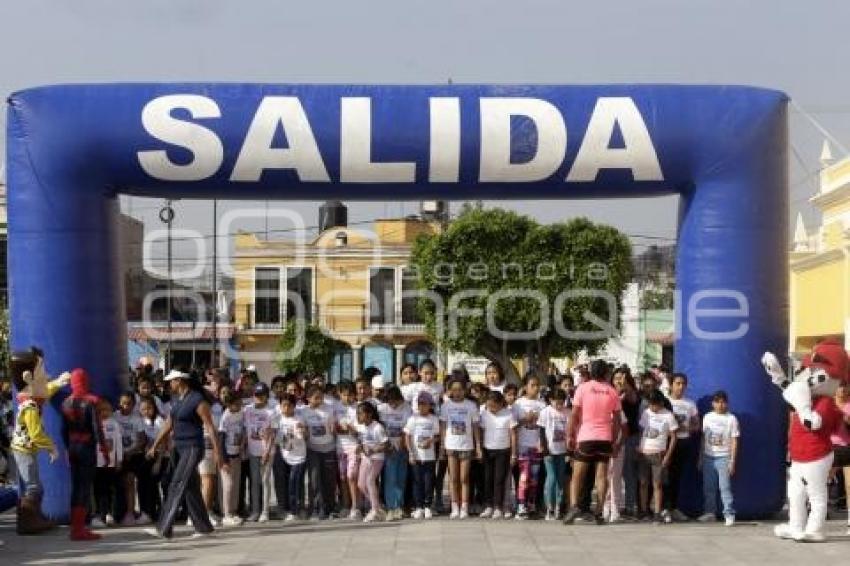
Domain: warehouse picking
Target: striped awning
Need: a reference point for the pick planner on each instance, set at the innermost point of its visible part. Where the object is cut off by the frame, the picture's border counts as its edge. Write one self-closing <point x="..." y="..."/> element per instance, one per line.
<point x="179" y="332"/>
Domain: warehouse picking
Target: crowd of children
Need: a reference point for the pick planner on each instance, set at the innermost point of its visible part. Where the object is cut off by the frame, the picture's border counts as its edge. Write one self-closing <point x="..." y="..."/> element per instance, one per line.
<point x="371" y="451"/>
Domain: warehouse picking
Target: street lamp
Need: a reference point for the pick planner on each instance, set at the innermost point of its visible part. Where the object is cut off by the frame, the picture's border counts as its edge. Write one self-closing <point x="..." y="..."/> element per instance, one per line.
<point x="166" y="216"/>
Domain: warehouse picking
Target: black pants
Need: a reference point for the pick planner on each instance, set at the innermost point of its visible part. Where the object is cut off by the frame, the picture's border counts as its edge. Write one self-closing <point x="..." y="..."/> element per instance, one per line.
<point x="476" y="482"/>
<point x="107" y="493"/>
<point x="683" y="456"/>
<point x="185" y="488"/>
<point x="244" y="477"/>
<point x="497" y="469"/>
<point x="280" y="477"/>
<point x="150" y="501"/>
<point x="423" y="484"/>
<point x="83" y="462"/>
<point x="322" y="467"/>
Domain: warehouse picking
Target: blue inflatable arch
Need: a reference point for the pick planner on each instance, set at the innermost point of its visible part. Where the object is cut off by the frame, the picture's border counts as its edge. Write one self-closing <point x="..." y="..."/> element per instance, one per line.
<point x="73" y="149"/>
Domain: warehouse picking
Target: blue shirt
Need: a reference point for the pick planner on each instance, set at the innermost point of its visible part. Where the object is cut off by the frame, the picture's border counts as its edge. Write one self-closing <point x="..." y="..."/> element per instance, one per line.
<point x="188" y="426"/>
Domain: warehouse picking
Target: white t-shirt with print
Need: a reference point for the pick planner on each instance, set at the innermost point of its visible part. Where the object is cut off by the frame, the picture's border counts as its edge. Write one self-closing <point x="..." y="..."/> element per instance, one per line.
<point x="717" y="433"/>
<point x="555" y="423"/>
<point x="131" y="426"/>
<point x="345" y="415"/>
<point x="420" y="429"/>
<point x="290" y="439"/>
<point x="394" y="420"/>
<point x="684" y="410"/>
<point x="459" y="419"/>
<point x="152" y="428"/>
<point x="372" y="436"/>
<point x="656" y="430"/>
<point x="112" y="439"/>
<point x="258" y="424"/>
<point x="320" y="428"/>
<point x="528" y="435"/>
<point x="233" y="427"/>
<point x="497" y="428"/>
<point x="411" y="393"/>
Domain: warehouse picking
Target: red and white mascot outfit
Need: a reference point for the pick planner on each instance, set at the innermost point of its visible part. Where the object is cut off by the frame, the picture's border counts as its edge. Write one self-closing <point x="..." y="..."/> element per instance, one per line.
<point x="815" y="418"/>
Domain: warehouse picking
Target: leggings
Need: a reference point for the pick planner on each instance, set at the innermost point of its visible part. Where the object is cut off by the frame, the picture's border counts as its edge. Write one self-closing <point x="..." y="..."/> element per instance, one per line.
<point x="423" y="484"/>
<point x="553" y="489"/>
<point x="497" y="469"/>
<point x="680" y="461"/>
<point x="230" y="486"/>
<point x="529" y="469"/>
<point x="370" y="469"/>
<point x="395" y="476"/>
<point x="322" y="467"/>
<point x="185" y="488"/>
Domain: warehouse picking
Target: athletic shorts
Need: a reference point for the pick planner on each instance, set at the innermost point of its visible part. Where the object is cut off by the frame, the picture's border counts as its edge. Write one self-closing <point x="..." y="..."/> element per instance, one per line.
<point x="460" y="454"/>
<point x="592" y="451"/>
<point x="651" y="466"/>
<point x="206" y="467"/>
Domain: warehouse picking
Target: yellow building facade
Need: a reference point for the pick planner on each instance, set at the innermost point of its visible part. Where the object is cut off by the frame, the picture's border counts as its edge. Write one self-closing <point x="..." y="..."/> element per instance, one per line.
<point x="820" y="263"/>
<point x="354" y="283"/>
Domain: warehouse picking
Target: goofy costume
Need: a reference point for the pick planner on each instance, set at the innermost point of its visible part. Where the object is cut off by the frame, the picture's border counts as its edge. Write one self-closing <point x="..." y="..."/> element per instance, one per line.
<point x="34" y="387"/>
<point x="83" y="437"/>
<point x="814" y="418"/>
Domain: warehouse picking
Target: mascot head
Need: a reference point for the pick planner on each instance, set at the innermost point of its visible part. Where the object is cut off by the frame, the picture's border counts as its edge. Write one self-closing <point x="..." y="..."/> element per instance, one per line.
<point x="27" y="371"/>
<point x="825" y="368"/>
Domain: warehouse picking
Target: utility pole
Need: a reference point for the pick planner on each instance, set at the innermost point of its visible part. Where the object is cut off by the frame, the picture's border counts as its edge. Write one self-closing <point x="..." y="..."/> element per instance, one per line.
<point x="214" y="340"/>
<point x="166" y="215"/>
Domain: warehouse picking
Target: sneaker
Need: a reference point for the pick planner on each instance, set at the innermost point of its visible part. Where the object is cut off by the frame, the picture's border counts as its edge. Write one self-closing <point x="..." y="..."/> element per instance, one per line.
<point x="417" y="514"/>
<point x="572" y="514"/>
<point x="455" y="513"/>
<point x="615" y="519"/>
<point x="549" y="515"/>
<point x="289" y="518"/>
<point x="97" y="523"/>
<point x="426" y="513"/>
<point x="521" y="513"/>
<point x="730" y="520"/>
<point x="707" y="518"/>
<point x="216" y="521"/>
<point x="202" y="535"/>
<point x="232" y="521"/>
<point x="507" y="514"/>
<point x="110" y="520"/>
<point x="464" y="514"/>
<point x="189" y="522"/>
<point x="497" y="514"/>
<point x="354" y="515"/>
<point x="252" y="518"/>
<point x="487" y="513"/>
<point x="666" y="517"/>
<point x="263" y="518"/>
<point x="144" y="519"/>
<point x="557" y="515"/>
<point x="153" y="532"/>
<point x="370" y="517"/>
<point x="812" y="537"/>
<point x="680" y="517"/>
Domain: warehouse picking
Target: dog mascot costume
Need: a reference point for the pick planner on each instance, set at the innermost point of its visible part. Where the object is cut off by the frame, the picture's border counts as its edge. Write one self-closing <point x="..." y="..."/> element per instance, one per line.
<point x="34" y="387"/>
<point x="814" y="419"/>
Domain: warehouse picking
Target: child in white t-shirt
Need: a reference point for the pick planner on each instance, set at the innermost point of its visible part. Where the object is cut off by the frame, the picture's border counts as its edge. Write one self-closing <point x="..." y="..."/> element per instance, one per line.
<point x="259" y="427"/>
<point x="149" y="471"/>
<point x="422" y="434"/>
<point x="461" y="442"/>
<point x="231" y="430"/>
<point x="133" y="442"/>
<point x="321" y="450"/>
<point x="527" y="411"/>
<point x="345" y="416"/>
<point x="500" y="447"/>
<point x="394" y="414"/>
<point x="687" y="445"/>
<point x="720" y="432"/>
<point x="554" y="420"/>
<point x="106" y="481"/>
<point x="291" y="441"/>
<point x="373" y="444"/>
<point x="657" y="443"/>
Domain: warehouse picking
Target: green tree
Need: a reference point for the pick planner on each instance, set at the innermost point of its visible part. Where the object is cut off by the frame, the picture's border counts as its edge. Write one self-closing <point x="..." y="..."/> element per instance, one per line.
<point x="305" y="348"/>
<point x="486" y="251"/>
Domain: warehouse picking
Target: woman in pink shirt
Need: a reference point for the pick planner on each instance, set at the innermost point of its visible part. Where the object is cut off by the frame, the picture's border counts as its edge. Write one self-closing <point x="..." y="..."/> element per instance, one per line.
<point x="596" y="434"/>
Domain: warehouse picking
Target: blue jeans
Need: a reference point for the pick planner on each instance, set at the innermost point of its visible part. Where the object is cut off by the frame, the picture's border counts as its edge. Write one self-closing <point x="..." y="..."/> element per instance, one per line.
<point x="715" y="472"/>
<point x="395" y="477"/>
<point x="28" y="479"/>
<point x="553" y="488"/>
<point x="296" y="486"/>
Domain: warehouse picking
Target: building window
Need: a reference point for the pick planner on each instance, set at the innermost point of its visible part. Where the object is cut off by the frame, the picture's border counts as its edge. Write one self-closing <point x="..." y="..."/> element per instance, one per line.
<point x="382" y="295"/>
<point x="267" y="295"/>
<point x="409" y="298"/>
<point x="299" y="293"/>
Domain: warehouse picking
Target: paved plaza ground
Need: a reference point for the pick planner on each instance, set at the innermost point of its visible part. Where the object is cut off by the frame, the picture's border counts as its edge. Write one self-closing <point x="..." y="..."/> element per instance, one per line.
<point x="436" y="543"/>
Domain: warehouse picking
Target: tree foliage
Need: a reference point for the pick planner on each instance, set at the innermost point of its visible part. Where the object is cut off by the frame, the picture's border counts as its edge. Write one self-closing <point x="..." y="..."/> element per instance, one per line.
<point x="312" y="353"/>
<point x="487" y="251"/>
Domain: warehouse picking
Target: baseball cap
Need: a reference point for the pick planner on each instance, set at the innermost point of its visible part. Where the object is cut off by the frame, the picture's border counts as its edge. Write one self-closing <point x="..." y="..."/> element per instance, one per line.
<point x="425" y="397"/>
<point x="261" y="389"/>
<point x="377" y="381"/>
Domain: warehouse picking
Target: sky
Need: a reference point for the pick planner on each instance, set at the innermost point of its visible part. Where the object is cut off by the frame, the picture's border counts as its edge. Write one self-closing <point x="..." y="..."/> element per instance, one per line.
<point x="799" y="47"/>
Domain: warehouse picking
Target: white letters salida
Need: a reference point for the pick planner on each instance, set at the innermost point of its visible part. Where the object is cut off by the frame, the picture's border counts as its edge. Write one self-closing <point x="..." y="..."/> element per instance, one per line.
<point x="303" y="156"/>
